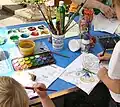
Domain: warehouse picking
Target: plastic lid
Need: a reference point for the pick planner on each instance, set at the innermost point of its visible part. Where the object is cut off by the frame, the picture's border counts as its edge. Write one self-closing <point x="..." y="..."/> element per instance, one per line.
<point x="61" y="3"/>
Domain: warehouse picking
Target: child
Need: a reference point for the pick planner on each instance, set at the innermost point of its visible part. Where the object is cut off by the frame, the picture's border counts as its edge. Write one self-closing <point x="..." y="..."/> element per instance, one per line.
<point x="13" y="94"/>
<point x="102" y="5"/>
<point x="111" y="77"/>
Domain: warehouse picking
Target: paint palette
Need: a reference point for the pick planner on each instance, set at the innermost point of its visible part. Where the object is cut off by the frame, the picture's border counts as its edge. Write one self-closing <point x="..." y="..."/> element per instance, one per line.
<point x="31" y="32"/>
<point x="34" y="61"/>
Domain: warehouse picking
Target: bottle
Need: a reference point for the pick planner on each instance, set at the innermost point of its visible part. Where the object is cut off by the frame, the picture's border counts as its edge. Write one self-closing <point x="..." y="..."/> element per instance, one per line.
<point x="85" y="43"/>
<point x="60" y="18"/>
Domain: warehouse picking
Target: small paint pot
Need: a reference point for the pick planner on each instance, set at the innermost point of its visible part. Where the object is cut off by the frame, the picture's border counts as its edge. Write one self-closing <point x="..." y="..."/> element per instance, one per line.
<point x="14" y="38"/>
<point x="41" y="27"/>
<point x="24" y="35"/>
<point x="35" y="33"/>
<point x="31" y="28"/>
<point x="26" y="47"/>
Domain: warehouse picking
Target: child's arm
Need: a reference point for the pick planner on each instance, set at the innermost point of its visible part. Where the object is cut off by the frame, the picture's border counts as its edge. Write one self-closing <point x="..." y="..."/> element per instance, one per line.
<point x="112" y="84"/>
<point x="45" y="99"/>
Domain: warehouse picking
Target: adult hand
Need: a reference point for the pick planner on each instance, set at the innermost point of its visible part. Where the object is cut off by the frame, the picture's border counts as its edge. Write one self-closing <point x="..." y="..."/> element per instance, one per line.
<point x="42" y="94"/>
<point x="107" y="11"/>
<point x="106" y="56"/>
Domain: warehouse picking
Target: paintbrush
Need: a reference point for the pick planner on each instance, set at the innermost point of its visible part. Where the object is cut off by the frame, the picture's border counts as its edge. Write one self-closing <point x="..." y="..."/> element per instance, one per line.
<point x="86" y="70"/>
<point x="104" y="50"/>
<point x="74" y="15"/>
<point x="41" y="89"/>
<point x="51" y="26"/>
<point x="70" y="27"/>
<point x="59" y="54"/>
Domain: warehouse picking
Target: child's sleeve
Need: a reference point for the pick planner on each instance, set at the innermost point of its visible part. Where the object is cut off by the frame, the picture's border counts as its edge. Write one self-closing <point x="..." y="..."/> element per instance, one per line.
<point x="114" y="64"/>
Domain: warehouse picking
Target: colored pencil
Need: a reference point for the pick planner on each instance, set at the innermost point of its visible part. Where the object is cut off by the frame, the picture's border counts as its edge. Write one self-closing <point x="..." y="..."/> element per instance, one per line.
<point x="41" y="89"/>
<point x="104" y="50"/>
<point x="88" y="71"/>
<point x="59" y="54"/>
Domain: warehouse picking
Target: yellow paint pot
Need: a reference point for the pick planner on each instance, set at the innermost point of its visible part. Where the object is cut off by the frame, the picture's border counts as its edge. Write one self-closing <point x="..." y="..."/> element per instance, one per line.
<point x="26" y="47"/>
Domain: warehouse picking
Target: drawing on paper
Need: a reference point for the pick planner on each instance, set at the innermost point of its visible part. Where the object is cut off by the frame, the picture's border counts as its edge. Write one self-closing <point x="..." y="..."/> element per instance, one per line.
<point x="87" y="78"/>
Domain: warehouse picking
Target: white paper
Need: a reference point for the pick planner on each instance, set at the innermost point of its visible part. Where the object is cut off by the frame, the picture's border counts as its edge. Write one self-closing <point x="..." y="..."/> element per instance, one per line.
<point x="101" y="23"/>
<point x="46" y="75"/>
<point x="74" y="72"/>
<point x="74" y="31"/>
<point x="4" y="65"/>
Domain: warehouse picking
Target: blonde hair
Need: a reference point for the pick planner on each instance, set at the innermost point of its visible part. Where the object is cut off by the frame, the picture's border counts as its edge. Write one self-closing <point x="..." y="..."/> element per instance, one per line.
<point x="12" y="94"/>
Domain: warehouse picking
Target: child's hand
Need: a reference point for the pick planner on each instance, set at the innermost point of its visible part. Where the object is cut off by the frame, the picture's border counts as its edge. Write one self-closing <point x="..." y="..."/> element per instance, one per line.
<point x="101" y="73"/>
<point x="42" y="94"/>
<point x="106" y="56"/>
<point x="107" y="11"/>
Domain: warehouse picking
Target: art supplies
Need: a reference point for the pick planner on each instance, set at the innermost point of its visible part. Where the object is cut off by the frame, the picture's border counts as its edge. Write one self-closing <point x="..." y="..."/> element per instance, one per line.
<point x="53" y="52"/>
<point x="26" y="47"/>
<point x="34" y="61"/>
<point x="50" y="24"/>
<point x="58" y="42"/>
<point x="31" y="32"/>
<point x="47" y="75"/>
<point x="41" y="89"/>
<point x="74" y="15"/>
<point x="74" y="44"/>
<point x="60" y="18"/>
<point x="82" y="72"/>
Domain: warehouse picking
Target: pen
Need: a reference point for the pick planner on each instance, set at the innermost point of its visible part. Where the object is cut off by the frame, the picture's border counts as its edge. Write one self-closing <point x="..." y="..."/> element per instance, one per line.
<point x="41" y="89"/>
<point x="59" y="54"/>
<point x="104" y="50"/>
<point x="88" y="71"/>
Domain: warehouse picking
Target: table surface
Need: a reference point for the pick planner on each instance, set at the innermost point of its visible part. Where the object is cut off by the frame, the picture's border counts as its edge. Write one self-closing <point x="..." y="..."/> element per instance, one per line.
<point x="60" y="85"/>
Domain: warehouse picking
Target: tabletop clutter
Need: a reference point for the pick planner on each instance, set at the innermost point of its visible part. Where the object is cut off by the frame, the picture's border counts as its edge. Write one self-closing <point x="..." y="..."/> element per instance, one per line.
<point x="75" y="73"/>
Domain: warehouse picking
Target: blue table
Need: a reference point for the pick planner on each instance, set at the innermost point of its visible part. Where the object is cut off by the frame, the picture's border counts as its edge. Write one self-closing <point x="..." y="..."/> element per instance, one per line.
<point x="60" y="85"/>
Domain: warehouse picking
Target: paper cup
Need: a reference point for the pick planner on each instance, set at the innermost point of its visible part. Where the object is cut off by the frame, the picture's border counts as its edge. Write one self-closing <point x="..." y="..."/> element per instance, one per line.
<point x="74" y="44"/>
<point x="58" y="42"/>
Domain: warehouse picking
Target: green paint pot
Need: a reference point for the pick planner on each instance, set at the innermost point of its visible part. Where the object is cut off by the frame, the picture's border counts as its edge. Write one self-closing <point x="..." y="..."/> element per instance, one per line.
<point x="14" y="38"/>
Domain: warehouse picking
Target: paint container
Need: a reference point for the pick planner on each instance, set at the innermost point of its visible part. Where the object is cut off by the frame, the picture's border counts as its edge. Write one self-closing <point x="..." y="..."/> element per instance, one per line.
<point x="14" y="38"/>
<point x="58" y="41"/>
<point x="26" y="47"/>
<point x="31" y="28"/>
<point x="74" y="45"/>
<point x="24" y="35"/>
<point x="35" y="33"/>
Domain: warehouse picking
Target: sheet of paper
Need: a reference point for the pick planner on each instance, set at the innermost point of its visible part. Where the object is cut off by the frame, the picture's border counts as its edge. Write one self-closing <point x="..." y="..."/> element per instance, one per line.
<point x="74" y="31"/>
<point x="84" y="80"/>
<point x="101" y="23"/>
<point x="4" y="65"/>
<point x="46" y="75"/>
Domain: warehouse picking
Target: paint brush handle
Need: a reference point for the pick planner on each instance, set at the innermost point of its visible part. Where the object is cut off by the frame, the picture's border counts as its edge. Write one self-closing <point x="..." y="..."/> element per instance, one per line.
<point x="104" y="50"/>
<point x="41" y="89"/>
<point x="59" y="54"/>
